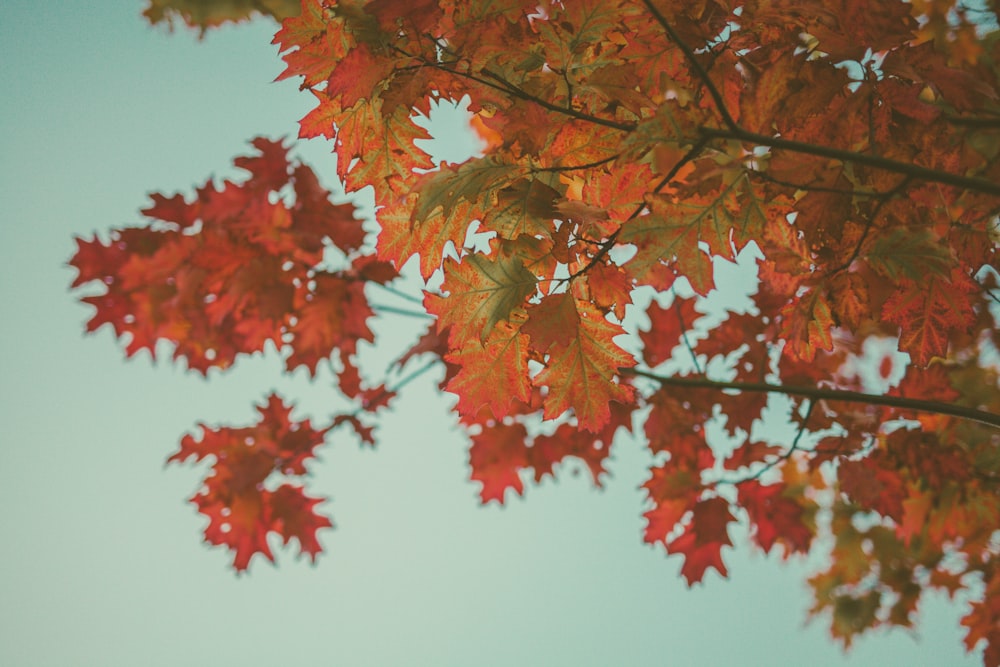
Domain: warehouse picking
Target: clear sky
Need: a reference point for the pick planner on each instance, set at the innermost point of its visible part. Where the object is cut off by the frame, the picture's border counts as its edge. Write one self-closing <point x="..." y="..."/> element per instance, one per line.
<point x="101" y="561"/>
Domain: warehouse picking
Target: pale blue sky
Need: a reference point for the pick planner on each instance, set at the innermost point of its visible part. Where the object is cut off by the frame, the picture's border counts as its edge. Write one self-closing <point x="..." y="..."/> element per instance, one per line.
<point x="101" y="561"/>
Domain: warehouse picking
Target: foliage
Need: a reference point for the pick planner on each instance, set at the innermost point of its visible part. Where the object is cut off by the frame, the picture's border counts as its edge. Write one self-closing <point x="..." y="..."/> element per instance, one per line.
<point x="851" y="150"/>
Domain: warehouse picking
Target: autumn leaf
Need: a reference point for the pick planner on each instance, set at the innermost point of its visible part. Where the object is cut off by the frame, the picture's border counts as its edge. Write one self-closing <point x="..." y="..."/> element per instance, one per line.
<point x="775" y="516"/>
<point x="548" y="450"/>
<point x="333" y="316"/>
<point x="204" y="15"/>
<point x="911" y="254"/>
<point x="672" y="491"/>
<point x="497" y="456"/>
<point x="552" y="321"/>
<point x="481" y="292"/>
<point x="667" y="325"/>
<point x="494" y="373"/>
<point x="240" y="509"/>
<point x="702" y="540"/>
<point x="294" y="517"/>
<point x="928" y="316"/>
<point x="580" y="374"/>
<point x="627" y="146"/>
<point x="807" y="325"/>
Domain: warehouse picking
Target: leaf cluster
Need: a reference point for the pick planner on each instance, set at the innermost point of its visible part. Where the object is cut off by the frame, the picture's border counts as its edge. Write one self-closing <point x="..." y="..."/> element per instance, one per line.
<point x="629" y="147"/>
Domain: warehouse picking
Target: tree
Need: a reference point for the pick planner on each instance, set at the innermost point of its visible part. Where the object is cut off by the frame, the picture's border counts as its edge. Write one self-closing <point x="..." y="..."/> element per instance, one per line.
<point x="630" y="147"/>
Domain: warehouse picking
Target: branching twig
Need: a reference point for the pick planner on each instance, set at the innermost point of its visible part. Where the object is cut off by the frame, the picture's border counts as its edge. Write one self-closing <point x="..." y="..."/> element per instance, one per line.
<point x="684" y="333"/>
<point x="871" y="223"/>
<point x="695" y="65"/>
<point x="588" y="165"/>
<point x="806" y="187"/>
<point x="733" y="130"/>
<point x="608" y="244"/>
<point x="778" y="459"/>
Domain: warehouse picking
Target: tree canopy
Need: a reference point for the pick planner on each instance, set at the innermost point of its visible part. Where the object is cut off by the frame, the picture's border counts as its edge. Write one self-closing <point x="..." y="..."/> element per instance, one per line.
<point x="849" y="150"/>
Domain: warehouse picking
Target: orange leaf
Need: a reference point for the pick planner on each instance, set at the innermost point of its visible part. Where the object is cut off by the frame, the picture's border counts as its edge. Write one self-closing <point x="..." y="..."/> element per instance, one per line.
<point x="580" y="375"/>
<point x="493" y="373"/>
<point x="481" y="292"/>
<point x="928" y="314"/>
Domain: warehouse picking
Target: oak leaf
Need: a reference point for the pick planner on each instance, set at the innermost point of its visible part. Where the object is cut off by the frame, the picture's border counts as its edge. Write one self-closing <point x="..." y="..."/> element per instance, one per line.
<point x="702" y="540"/>
<point x="580" y="375"/>
<point x="481" y="292"/>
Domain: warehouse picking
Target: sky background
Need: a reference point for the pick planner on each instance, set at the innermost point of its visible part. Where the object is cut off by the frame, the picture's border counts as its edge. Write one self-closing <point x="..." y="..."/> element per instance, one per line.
<point x="101" y="559"/>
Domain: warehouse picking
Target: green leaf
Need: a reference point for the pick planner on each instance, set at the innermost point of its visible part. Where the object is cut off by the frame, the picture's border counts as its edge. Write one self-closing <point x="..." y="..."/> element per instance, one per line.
<point x="916" y="254"/>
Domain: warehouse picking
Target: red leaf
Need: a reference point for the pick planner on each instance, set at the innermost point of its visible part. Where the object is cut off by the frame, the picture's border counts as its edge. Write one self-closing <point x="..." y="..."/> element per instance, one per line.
<point x="552" y="321"/>
<point x="293" y="516"/>
<point x="929" y="314"/>
<point x="807" y="324"/>
<point x="493" y="374"/>
<point x="580" y="375"/>
<point x="269" y="170"/>
<point x="775" y="516"/>
<point x="703" y="539"/>
<point x="548" y="450"/>
<point x="497" y="456"/>
<point x="332" y="316"/>
<point x="666" y="327"/>
<point x="240" y="509"/>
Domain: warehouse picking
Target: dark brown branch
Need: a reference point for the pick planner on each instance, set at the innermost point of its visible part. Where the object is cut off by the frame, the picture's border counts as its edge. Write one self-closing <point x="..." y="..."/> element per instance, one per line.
<point x="914" y="171"/>
<point x="684" y="331"/>
<point x="702" y="73"/>
<point x="497" y="82"/>
<point x="820" y="393"/>
<point x="568" y="111"/>
<point x="974" y="122"/>
<point x="733" y="130"/>
<point x="871" y="223"/>
<point x="589" y="165"/>
<point x="806" y="187"/>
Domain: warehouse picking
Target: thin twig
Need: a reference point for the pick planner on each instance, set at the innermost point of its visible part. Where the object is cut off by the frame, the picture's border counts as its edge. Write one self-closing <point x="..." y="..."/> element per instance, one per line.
<point x="684" y="332"/>
<point x="871" y="223"/>
<point x="733" y="130"/>
<point x="779" y="459"/>
<point x="609" y="243"/>
<point x="378" y="308"/>
<point x="588" y="165"/>
<point x="399" y="293"/>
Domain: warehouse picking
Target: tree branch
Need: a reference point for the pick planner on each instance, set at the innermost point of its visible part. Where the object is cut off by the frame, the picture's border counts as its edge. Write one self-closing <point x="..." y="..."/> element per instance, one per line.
<point x="497" y="82"/>
<point x="702" y="73"/>
<point x="914" y="171"/>
<point x="733" y="130"/>
<point x="819" y="393"/>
